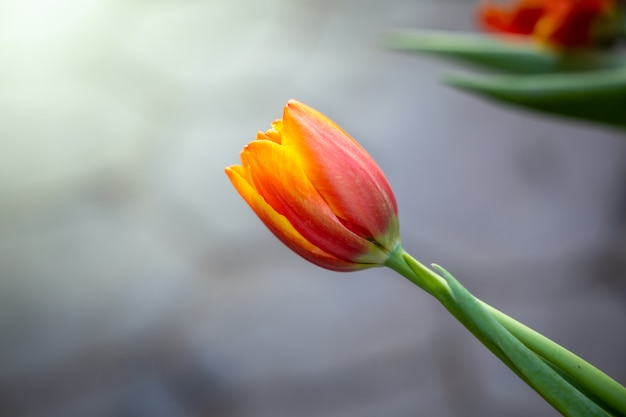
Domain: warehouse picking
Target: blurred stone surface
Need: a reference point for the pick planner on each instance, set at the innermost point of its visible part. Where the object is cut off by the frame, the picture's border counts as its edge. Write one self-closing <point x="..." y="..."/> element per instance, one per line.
<point x="135" y="282"/>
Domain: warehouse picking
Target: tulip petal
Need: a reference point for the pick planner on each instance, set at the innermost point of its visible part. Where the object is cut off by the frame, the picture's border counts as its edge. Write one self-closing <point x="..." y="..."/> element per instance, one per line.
<point x="282" y="229"/>
<point x="278" y="177"/>
<point x="519" y="18"/>
<point x="272" y="134"/>
<point x="558" y="24"/>
<point x="343" y="173"/>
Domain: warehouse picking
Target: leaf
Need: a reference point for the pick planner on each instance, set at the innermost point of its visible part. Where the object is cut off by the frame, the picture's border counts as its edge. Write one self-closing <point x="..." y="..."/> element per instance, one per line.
<point x="530" y="367"/>
<point x="598" y="96"/>
<point x="517" y="56"/>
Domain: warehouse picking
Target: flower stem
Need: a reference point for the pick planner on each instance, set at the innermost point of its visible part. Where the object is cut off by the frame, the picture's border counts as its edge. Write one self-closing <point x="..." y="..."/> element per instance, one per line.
<point x="429" y="281"/>
<point x="586" y="377"/>
<point x="568" y="383"/>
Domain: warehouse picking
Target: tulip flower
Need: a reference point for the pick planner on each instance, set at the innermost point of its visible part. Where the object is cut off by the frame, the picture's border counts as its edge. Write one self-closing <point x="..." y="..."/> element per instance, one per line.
<point x="319" y="191"/>
<point x="561" y="24"/>
<point x="323" y="196"/>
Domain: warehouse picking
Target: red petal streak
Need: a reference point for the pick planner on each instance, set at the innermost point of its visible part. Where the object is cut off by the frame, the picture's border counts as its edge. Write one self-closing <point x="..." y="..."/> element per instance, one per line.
<point x="277" y="174"/>
<point x="343" y="173"/>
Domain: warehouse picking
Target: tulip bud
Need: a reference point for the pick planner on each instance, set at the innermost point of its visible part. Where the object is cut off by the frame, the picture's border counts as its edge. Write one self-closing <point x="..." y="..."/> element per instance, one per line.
<point x="319" y="191"/>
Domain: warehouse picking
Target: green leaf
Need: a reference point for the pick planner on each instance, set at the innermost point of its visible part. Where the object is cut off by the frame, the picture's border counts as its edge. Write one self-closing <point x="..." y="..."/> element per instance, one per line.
<point x="544" y="379"/>
<point x="597" y="96"/>
<point x="588" y="379"/>
<point x="570" y="384"/>
<point x="554" y="384"/>
<point x="493" y="53"/>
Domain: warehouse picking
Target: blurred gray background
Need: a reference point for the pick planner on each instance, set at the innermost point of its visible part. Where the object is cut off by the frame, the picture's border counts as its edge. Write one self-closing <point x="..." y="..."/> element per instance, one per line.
<point x="134" y="281"/>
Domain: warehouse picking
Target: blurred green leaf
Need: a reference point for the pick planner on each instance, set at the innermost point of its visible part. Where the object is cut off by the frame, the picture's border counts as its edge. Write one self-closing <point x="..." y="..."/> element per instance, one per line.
<point x="487" y="51"/>
<point x="598" y="96"/>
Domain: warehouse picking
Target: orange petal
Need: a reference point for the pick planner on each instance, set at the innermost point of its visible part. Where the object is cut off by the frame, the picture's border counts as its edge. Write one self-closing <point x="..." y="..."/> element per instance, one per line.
<point x="282" y="229"/>
<point x="272" y="134"/>
<point x="278" y="177"/>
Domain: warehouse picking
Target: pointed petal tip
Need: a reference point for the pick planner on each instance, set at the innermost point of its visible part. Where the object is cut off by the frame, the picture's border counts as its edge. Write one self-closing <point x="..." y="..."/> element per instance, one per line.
<point x="231" y="173"/>
<point x="293" y="104"/>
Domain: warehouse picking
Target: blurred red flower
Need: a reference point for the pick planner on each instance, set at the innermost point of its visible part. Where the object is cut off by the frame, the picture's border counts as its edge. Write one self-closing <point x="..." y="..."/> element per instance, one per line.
<point x="562" y="24"/>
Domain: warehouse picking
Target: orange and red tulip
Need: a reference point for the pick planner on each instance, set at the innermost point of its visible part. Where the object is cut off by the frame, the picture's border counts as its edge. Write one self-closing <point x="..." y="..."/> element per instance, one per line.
<point x="319" y="191"/>
<point x="562" y="24"/>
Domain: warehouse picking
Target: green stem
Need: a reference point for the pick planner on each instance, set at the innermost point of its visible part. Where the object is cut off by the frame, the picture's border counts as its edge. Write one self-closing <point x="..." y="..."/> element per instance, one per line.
<point x="585" y="376"/>
<point x="426" y="279"/>
<point x="541" y="363"/>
